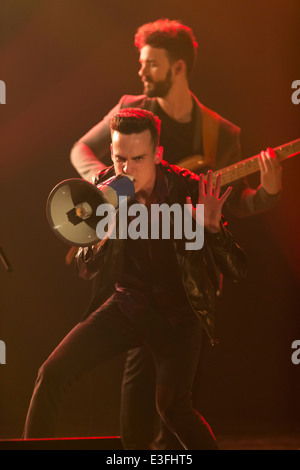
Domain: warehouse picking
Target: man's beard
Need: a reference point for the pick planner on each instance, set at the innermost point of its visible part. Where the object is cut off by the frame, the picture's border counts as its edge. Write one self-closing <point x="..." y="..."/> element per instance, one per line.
<point x="159" y="89"/>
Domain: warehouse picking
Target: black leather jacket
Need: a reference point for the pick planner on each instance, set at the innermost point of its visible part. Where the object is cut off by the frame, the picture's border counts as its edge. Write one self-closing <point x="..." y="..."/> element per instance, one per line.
<point x="200" y="270"/>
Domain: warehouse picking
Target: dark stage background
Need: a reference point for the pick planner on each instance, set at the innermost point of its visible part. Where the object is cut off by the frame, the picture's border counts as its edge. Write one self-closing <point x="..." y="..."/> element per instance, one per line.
<point x="65" y="65"/>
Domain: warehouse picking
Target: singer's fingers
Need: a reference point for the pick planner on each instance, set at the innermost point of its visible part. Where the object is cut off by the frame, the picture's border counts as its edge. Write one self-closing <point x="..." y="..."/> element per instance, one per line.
<point x="225" y="195"/>
<point x="217" y="185"/>
<point x="209" y="184"/>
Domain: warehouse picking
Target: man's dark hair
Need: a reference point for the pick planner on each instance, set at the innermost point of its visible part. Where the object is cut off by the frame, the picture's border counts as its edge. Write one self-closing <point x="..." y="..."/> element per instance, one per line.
<point x="135" y="121"/>
<point x="177" y="39"/>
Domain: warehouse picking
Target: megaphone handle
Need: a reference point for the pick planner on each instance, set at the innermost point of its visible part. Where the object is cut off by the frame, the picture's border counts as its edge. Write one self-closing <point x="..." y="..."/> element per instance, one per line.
<point x="99" y="245"/>
<point x="73" y="250"/>
<point x="71" y="255"/>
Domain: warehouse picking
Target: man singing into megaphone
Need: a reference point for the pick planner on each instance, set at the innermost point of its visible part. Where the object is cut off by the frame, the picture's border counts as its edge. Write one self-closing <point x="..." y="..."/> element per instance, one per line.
<point x="195" y="138"/>
<point x="150" y="292"/>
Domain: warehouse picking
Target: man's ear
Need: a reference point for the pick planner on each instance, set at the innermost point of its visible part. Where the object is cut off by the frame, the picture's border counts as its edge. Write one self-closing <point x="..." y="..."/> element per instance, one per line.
<point x="179" y="66"/>
<point x="159" y="154"/>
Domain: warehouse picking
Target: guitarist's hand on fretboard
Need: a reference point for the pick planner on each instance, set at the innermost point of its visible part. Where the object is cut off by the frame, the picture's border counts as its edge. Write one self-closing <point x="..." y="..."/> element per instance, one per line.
<point x="270" y="171"/>
<point x="251" y="165"/>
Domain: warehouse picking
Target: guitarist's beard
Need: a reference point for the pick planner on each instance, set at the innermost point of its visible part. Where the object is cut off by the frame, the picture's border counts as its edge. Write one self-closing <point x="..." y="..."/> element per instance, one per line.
<point x="158" y="89"/>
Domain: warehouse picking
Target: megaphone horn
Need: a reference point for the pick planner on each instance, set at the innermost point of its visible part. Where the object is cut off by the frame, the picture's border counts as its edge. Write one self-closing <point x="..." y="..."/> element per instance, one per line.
<point x="72" y="204"/>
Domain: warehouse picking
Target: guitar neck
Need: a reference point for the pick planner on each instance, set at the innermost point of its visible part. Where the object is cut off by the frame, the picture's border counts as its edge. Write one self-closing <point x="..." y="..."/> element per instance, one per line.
<point x="251" y="165"/>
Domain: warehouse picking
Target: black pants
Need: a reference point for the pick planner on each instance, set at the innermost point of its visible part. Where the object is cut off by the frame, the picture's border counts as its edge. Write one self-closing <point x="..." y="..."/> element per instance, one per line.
<point x="108" y="332"/>
<point x="141" y="426"/>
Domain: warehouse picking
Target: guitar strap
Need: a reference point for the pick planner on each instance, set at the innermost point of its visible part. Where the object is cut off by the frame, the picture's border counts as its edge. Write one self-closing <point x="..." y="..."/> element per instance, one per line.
<point x="207" y="128"/>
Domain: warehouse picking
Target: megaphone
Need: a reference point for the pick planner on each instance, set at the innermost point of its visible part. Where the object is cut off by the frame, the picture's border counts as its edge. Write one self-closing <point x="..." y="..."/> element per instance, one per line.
<point x="72" y="204"/>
